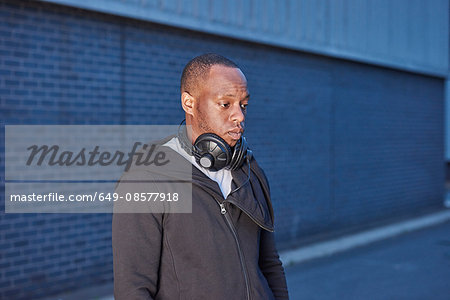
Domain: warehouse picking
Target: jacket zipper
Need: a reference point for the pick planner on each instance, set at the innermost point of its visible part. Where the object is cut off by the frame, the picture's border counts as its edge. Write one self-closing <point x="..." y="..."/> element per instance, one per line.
<point x="223" y="211"/>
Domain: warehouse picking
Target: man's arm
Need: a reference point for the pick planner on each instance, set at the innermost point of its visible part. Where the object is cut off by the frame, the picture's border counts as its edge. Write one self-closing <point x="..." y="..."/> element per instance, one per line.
<point x="136" y="241"/>
<point x="269" y="260"/>
<point x="271" y="267"/>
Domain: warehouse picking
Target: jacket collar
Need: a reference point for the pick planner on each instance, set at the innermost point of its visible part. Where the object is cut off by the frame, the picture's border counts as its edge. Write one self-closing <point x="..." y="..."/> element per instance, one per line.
<point x="252" y="198"/>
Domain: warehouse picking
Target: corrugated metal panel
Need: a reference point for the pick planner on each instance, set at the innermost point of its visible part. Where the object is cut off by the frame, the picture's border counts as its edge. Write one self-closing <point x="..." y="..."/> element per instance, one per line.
<point x="407" y="34"/>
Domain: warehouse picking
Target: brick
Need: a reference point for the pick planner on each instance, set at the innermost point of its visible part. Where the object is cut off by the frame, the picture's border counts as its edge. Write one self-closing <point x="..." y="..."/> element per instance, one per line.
<point x="339" y="141"/>
<point x="11" y="293"/>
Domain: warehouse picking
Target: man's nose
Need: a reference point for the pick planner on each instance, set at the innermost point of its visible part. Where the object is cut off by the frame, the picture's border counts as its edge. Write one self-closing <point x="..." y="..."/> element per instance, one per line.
<point x="237" y="114"/>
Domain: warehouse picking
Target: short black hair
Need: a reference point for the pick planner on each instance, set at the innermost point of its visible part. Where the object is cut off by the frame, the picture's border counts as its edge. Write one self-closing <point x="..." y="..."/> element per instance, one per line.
<point x="198" y="68"/>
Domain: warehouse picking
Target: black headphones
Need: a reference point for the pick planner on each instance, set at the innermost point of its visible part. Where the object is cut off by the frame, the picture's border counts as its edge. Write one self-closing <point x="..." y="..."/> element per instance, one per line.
<point x="213" y="153"/>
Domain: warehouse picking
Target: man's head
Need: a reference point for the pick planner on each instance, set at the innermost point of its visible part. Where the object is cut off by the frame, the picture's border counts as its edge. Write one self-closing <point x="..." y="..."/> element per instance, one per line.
<point x="214" y="97"/>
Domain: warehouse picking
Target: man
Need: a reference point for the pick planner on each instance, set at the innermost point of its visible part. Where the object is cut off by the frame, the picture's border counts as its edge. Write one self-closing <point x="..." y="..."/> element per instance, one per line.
<point x="225" y="248"/>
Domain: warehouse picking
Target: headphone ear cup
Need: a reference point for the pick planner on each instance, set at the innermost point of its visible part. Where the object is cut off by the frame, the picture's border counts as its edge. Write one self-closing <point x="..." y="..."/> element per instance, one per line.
<point x="239" y="154"/>
<point x="212" y="152"/>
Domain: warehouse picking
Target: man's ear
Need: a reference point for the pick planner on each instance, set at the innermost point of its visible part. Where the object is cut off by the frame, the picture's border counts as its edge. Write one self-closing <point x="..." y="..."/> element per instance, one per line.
<point x="187" y="102"/>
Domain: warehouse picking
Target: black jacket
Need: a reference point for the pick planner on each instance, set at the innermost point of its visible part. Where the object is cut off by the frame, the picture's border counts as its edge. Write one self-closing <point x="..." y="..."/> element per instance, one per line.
<point x="224" y="249"/>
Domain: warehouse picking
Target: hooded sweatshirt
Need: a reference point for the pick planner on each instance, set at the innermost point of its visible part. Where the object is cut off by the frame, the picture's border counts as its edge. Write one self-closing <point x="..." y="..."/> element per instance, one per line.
<point x="223" y="249"/>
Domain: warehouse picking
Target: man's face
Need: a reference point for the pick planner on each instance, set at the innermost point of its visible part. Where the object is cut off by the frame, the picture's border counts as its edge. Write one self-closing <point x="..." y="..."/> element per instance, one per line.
<point x="220" y="104"/>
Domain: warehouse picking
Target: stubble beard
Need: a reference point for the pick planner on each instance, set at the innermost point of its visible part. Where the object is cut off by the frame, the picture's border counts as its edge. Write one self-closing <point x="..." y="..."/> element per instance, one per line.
<point x="204" y="126"/>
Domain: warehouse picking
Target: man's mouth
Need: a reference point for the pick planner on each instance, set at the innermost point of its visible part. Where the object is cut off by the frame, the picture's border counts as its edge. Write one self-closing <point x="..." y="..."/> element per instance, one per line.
<point x="235" y="134"/>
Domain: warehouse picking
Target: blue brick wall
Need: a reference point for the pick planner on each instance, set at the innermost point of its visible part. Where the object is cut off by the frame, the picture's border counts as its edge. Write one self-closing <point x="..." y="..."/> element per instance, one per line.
<point x="344" y="145"/>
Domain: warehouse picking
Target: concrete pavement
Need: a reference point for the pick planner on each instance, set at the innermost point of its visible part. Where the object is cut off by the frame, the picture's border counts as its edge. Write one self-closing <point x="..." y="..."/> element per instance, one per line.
<point x="406" y="260"/>
<point x="415" y="265"/>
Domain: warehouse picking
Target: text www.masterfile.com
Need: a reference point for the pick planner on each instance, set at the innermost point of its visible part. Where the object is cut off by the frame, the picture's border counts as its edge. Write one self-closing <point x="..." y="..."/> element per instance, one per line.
<point x="60" y="197"/>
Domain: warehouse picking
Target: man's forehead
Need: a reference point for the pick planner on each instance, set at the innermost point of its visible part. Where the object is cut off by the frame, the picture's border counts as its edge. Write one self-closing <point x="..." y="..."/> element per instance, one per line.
<point x="223" y="81"/>
<point x="226" y="77"/>
<point x="244" y="94"/>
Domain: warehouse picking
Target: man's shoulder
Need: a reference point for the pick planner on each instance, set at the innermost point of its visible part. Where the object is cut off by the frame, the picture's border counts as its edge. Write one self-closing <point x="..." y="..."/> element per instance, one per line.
<point x="259" y="171"/>
<point x="158" y="173"/>
<point x="156" y="159"/>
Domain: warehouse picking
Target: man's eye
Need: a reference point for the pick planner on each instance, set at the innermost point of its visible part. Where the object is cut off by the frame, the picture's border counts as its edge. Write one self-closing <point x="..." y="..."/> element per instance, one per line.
<point x="244" y="106"/>
<point x="225" y="105"/>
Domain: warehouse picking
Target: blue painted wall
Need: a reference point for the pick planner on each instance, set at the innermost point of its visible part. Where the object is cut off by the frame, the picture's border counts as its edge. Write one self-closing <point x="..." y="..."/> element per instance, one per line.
<point x="345" y="145"/>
